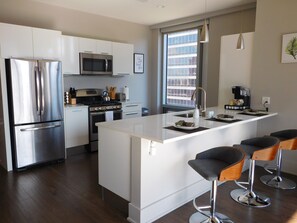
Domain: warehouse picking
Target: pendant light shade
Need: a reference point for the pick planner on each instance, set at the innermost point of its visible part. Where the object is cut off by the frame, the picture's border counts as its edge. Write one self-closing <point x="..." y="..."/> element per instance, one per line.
<point x="204" y="33"/>
<point x="240" y="42"/>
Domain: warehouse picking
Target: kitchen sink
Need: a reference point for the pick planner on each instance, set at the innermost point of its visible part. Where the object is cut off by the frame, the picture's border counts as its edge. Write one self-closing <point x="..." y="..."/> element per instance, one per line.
<point x="186" y="115"/>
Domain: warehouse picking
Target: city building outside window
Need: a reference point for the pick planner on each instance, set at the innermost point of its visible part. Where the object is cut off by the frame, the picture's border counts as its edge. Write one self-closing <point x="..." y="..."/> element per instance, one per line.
<point x="181" y="68"/>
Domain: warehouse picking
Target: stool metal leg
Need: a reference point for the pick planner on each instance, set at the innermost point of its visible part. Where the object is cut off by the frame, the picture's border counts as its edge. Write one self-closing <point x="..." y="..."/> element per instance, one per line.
<point x="210" y="216"/>
<point x="249" y="197"/>
<point x="277" y="181"/>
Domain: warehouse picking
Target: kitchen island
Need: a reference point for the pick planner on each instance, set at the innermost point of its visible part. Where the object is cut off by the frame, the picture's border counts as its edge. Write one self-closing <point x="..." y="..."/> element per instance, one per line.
<point x="145" y="163"/>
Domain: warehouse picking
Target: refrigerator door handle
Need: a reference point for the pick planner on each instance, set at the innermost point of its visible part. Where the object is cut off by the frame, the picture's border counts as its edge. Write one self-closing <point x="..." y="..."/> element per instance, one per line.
<point x="36" y="72"/>
<point x="106" y="64"/>
<point x="40" y="128"/>
<point x="42" y="90"/>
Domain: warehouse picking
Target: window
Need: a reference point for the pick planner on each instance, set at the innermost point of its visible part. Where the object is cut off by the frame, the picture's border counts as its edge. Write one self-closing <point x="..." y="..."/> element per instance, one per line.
<point x="181" y="59"/>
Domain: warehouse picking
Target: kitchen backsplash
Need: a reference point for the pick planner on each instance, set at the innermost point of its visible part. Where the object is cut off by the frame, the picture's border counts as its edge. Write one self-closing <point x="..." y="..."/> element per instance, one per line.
<point x="80" y="82"/>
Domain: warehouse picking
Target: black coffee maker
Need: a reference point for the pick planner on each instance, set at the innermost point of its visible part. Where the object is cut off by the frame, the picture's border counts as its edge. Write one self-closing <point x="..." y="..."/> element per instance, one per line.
<point x="242" y="93"/>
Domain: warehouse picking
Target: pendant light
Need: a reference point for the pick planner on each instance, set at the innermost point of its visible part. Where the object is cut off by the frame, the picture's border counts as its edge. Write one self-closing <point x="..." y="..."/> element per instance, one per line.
<point x="240" y="41"/>
<point x="204" y="33"/>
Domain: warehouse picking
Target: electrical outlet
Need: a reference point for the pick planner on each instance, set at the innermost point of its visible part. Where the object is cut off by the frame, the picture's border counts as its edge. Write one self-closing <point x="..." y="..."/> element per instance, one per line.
<point x="266" y="100"/>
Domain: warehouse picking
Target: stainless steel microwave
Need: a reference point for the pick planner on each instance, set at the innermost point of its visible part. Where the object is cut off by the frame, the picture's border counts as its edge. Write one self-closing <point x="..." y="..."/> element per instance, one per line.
<point x="95" y="64"/>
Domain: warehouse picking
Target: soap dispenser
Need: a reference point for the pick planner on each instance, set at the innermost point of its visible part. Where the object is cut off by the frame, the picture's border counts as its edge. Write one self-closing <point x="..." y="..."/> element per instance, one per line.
<point x="196" y="116"/>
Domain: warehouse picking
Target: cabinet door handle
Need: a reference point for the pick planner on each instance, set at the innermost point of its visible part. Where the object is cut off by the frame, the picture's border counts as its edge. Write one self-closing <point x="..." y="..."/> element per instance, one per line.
<point x="134" y="113"/>
<point x="131" y="106"/>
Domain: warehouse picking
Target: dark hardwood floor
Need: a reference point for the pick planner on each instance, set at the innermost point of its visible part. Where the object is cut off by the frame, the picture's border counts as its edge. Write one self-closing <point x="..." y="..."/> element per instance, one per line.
<point x="69" y="192"/>
<point x="65" y="192"/>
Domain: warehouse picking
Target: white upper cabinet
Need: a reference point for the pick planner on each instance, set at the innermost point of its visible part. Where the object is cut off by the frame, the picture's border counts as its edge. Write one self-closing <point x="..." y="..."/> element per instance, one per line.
<point x="15" y="41"/>
<point x="70" y="55"/>
<point x="28" y="42"/>
<point x="87" y="45"/>
<point x="47" y="44"/>
<point x="122" y="58"/>
<point x="104" y="47"/>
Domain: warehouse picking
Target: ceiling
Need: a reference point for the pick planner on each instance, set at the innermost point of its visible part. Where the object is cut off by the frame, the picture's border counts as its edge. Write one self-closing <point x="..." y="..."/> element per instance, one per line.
<point x="147" y="12"/>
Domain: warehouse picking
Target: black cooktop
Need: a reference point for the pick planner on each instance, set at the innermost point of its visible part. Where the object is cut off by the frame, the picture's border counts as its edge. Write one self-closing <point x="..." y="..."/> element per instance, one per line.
<point x="96" y="101"/>
<point x="102" y="103"/>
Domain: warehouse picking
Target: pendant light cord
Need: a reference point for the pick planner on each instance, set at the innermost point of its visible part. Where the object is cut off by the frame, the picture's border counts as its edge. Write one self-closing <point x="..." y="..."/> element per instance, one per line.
<point x="205" y="7"/>
<point x="241" y="21"/>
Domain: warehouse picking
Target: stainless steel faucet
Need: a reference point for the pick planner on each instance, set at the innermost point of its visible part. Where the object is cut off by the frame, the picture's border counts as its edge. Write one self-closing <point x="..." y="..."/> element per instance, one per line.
<point x="203" y="110"/>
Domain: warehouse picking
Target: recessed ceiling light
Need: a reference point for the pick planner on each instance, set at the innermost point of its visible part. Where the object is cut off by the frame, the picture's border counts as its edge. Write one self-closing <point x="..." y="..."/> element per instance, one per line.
<point x="160" y="6"/>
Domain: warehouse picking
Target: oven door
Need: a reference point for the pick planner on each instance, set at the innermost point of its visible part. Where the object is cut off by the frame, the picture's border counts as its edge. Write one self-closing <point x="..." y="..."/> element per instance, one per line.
<point x="100" y="117"/>
<point x="93" y="129"/>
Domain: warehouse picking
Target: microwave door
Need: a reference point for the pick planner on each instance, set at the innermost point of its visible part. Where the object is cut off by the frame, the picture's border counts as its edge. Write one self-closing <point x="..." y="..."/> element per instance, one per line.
<point x="95" y="64"/>
<point x="109" y="66"/>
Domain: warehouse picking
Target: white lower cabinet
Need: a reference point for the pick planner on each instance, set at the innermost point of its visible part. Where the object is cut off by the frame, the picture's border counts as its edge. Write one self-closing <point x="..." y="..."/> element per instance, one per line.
<point x="76" y="126"/>
<point x="131" y="110"/>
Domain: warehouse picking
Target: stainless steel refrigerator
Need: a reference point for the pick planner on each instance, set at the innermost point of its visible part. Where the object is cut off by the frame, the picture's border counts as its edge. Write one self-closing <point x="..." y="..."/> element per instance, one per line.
<point x="35" y="97"/>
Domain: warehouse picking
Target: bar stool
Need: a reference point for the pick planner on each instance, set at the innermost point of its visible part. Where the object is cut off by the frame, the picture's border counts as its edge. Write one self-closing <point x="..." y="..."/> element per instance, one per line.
<point x="217" y="164"/>
<point x="259" y="148"/>
<point x="288" y="141"/>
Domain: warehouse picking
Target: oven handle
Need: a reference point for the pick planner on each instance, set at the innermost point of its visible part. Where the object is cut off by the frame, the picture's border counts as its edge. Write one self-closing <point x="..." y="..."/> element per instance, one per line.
<point x="97" y="113"/>
<point x="103" y="112"/>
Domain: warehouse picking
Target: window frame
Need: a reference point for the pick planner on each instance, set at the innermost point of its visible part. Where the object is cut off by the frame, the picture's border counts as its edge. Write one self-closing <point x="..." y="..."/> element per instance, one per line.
<point x="199" y="71"/>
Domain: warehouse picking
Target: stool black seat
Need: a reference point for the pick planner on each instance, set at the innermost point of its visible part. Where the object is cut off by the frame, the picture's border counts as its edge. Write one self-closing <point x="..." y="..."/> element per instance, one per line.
<point x="216" y="164"/>
<point x="288" y="141"/>
<point x="258" y="148"/>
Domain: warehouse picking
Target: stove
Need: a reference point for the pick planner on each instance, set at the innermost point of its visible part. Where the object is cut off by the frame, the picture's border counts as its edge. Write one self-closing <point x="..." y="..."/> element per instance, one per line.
<point x="100" y="110"/>
<point x="94" y="99"/>
<point x="106" y="106"/>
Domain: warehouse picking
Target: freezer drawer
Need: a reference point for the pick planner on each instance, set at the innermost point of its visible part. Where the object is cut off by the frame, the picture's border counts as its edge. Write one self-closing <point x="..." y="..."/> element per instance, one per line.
<point x="34" y="144"/>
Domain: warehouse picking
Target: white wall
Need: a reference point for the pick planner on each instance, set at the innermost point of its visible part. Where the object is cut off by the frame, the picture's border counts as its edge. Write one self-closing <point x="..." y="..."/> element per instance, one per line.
<point x="235" y="65"/>
<point x="223" y="25"/>
<point x="269" y="76"/>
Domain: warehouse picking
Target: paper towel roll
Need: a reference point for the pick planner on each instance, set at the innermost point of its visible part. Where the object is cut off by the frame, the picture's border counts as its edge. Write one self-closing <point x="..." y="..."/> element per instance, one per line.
<point x="126" y="92"/>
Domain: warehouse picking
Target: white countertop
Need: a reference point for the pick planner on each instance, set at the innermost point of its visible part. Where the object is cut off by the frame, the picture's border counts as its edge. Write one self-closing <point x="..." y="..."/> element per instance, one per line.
<point x="152" y="127"/>
<point x="75" y="106"/>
